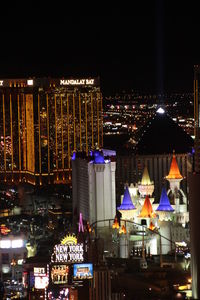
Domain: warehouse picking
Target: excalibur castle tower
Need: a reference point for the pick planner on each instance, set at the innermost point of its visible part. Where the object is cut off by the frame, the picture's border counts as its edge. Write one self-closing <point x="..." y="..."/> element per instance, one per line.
<point x="42" y="122"/>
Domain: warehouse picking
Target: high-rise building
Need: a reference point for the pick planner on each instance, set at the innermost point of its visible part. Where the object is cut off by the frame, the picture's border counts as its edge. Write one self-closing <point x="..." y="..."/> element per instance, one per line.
<point x="197" y="116"/>
<point x="93" y="185"/>
<point x="43" y="120"/>
<point x="194" y="191"/>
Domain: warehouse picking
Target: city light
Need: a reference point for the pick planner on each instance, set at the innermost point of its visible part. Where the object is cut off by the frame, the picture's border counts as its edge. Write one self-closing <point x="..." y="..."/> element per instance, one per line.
<point x="6" y="244"/>
<point x="41" y="282"/>
<point x="5" y="269"/>
<point x="30" y="81"/>
<point x="160" y="110"/>
<point x="17" y="243"/>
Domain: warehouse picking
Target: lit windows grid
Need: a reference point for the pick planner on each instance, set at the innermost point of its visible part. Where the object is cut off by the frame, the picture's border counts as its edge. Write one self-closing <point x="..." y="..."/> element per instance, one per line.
<point x="41" y="130"/>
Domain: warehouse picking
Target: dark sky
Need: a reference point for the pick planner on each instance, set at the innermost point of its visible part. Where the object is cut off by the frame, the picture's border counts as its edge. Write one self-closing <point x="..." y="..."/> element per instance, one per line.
<point x="149" y="48"/>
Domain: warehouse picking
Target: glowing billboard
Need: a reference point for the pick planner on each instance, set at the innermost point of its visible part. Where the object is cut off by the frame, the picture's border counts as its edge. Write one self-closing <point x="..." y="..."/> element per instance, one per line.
<point x="83" y="271"/>
<point x="41" y="282"/>
<point x="59" y="274"/>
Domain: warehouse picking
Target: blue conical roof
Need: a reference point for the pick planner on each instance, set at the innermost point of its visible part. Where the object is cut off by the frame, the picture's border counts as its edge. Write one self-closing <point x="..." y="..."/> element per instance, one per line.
<point x="164" y="204"/>
<point x="127" y="203"/>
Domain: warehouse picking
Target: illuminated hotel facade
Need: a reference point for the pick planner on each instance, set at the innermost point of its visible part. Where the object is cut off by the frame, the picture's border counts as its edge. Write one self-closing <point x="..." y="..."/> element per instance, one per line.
<point x="43" y="121"/>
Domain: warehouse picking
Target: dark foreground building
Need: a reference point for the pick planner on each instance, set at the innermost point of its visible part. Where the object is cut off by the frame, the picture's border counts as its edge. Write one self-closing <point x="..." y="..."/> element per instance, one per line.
<point x="194" y="190"/>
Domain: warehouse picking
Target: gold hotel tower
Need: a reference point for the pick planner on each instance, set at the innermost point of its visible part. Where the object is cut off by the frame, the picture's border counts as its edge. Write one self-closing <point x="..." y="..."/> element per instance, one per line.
<point x="43" y="121"/>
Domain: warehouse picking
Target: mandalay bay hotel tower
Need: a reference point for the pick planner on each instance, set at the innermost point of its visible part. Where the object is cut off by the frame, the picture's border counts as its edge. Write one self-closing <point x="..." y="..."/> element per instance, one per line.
<point x="43" y="121"/>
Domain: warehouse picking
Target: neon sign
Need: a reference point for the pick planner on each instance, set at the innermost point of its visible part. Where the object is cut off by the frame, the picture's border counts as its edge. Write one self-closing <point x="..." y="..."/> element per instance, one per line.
<point x="69" y="240"/>
<point x="39" y="272"/>
<point x="4" y="230"/>
<point x="76" y="81"/>
<point x="68" y="251"/>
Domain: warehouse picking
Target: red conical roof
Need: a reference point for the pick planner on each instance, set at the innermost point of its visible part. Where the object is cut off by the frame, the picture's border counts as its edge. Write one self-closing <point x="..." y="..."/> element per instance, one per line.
<point x="174" y="172"/>
<point x="147" y="210"/>
<point x="151" y="226"/>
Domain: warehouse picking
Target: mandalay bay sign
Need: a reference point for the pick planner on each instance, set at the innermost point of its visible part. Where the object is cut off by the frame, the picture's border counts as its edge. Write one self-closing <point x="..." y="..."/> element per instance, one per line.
<point x="77" y="82"/>
<point x="68" y="251"/>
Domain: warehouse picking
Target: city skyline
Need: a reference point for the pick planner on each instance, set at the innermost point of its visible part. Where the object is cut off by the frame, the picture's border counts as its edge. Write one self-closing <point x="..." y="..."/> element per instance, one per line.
<point x="99" y="128"/>
<point x="152" y="48"/>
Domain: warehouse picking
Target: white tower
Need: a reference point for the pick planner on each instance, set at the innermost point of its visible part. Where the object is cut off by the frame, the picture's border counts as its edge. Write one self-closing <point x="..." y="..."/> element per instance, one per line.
<point x="93" y="187"/>
<point x="165" y="210"/>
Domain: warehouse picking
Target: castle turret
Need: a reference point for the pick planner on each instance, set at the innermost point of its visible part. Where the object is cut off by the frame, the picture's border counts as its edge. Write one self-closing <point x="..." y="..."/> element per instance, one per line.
<point x="175" y="193"/>
<point x="174" y="177"/>
<point x="127" y="208"/>
<point x="146" y="186"/>
<point x="165" y="210"/>
<point x="147" y="211"/>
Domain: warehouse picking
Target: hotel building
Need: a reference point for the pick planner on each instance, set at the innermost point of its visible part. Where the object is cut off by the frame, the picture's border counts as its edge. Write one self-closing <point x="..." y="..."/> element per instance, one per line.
<point x="43" y="121"/>
<point x="194" y="190"/>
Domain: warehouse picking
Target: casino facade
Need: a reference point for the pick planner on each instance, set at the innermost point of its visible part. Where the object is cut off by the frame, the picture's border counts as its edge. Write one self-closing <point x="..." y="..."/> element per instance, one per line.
<point x="43" y="121"/>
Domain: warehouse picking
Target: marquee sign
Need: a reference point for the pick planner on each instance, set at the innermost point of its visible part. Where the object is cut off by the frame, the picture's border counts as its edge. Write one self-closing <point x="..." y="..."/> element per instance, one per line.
<point x="39" y="272"/>
<point x="68" y="251"/>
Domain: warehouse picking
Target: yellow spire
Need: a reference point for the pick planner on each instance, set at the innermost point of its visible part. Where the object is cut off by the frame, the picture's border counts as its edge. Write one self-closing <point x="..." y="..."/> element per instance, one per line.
<point x="145" y="177"/>
<point x="174" y="172"/>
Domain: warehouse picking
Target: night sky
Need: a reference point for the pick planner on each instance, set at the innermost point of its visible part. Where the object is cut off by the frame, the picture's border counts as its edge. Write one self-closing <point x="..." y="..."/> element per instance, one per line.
<point x="149" y="48"/>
